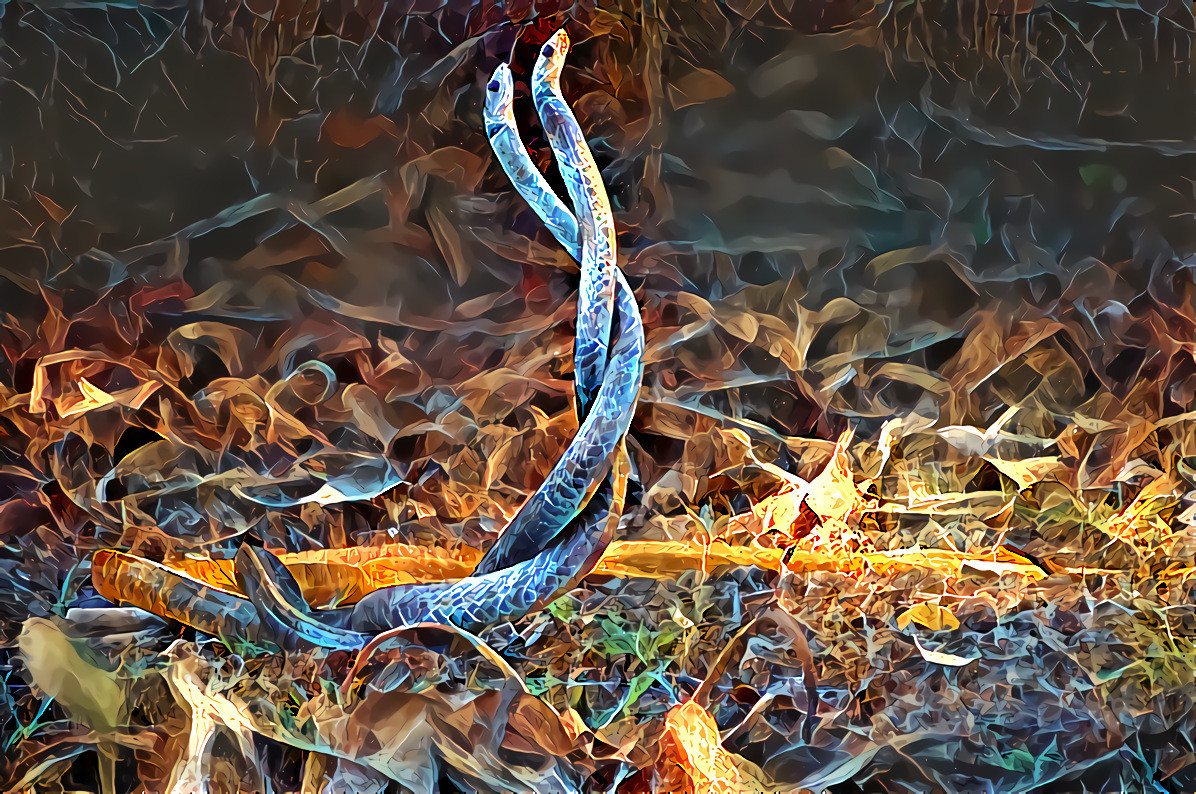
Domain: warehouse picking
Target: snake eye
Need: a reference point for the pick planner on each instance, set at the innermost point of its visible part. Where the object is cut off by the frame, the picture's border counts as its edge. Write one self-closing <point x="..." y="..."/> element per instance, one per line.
<point x="494" y="85"/>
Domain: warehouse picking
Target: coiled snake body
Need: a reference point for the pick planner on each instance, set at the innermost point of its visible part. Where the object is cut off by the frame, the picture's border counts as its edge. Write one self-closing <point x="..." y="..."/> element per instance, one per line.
<point x="561" y="530"/>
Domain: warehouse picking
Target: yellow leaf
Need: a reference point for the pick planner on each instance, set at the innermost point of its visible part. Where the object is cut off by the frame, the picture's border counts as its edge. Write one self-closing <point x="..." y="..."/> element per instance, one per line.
<point x="938" y="657"/>
<point x="67" y="671"/>
<point x="1123" y="524"/>
<point x="780" y="511"/>
<point x="1000" y="568"/>
<point x="92" y="392"/>
<point x="37" y="392"/>
<point x="833" y="494"/>
<point x="1025" y="472"/>
<point x="341" y="576"/>
<point x="691" y="741"/>
<point x="93" y="397"/>
<point x="932" y="616"/>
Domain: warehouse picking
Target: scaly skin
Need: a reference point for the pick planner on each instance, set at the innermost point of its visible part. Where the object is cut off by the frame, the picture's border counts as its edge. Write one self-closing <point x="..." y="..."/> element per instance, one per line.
<point x="471" y="604"/>
<point x="584" y="183"/>
<point x="542" y="516"/>
<point x="593" y="244"/>
<point x="556" y="537"/>
<point x="517" y="163"/>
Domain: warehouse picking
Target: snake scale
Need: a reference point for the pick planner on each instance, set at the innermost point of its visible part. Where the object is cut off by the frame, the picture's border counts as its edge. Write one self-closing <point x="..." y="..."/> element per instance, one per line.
<point x="559" y="533"/>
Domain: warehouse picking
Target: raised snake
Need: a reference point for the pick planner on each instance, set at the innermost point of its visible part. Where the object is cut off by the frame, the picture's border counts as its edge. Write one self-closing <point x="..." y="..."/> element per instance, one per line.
<point x="559" y="533"/>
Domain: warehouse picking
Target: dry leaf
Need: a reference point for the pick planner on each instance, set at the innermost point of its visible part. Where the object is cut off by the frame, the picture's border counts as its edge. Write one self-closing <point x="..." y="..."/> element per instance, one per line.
<point x="932" y="616"/>
<point x="691" y="740"/>
<point x="1124" y="525"/>
<point x="938" y="657"/>
<point x="833" y="494"/>
<point x="93" y="397"/>
<point x="1025" y="472"/>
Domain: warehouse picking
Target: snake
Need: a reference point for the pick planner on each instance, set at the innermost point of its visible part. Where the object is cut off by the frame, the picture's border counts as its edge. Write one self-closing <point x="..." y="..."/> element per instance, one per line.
<point x="560" y="531"/>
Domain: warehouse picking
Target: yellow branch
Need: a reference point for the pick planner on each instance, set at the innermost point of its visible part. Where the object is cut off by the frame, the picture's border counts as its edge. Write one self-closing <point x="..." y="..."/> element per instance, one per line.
<point x="342" y="576"/>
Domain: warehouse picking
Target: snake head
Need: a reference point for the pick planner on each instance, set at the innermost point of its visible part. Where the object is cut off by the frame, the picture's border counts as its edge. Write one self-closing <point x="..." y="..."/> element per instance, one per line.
<point x="500" y="95"/>
<point x="552" y="57"/>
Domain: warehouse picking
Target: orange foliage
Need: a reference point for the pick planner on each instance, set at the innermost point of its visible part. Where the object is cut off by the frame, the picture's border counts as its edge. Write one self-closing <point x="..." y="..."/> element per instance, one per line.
<point x="342" y="576"/>
<point x="833" y="498"/>
<point x="1126" y="523"/>
<point x="691" y="745"/>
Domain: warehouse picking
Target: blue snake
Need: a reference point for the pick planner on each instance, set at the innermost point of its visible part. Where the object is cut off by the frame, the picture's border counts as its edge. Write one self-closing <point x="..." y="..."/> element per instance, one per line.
<point x="559" y="533"/>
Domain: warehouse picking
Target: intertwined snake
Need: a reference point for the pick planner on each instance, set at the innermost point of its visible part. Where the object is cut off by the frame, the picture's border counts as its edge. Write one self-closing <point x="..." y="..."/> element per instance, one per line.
<point x="561" y="530"/>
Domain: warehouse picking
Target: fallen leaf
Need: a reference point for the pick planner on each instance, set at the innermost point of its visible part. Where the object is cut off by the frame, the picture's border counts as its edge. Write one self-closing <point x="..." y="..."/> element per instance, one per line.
<point x="342" y="576"/>
<point x="780" y="512"/>
<point x="691" y="741"/>
<point x="56" y="213"/>
<point x="743" y="326"/>
<point x="70" y="674"/>
<point x="938" y="657"/>
<point x="833" y="494"/>
<point x="1124" y="524"/>
<point x="93" y="397"/>
<point x="1025" y="472"/>
<point x="932" y="616"/>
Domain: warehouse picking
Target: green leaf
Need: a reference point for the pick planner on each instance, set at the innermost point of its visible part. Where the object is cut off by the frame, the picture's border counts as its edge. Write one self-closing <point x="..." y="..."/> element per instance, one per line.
<point x="1018" y="760"/>
<point x="1103" y="176"/>
<point x="562" y="609"/>
<point x="639" y="685"/>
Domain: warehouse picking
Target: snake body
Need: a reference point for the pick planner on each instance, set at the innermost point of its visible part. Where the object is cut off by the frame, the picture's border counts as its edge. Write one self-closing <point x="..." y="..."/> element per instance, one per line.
<point x="589" y="238"/>
<point x="593" y="245"/>
<point x="584" y="184"/>
<point x="561" y="530"/>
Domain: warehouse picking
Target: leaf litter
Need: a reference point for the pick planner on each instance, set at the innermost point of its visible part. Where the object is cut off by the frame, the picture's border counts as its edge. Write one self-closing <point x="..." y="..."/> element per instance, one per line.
<point x="915" y="503"/>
